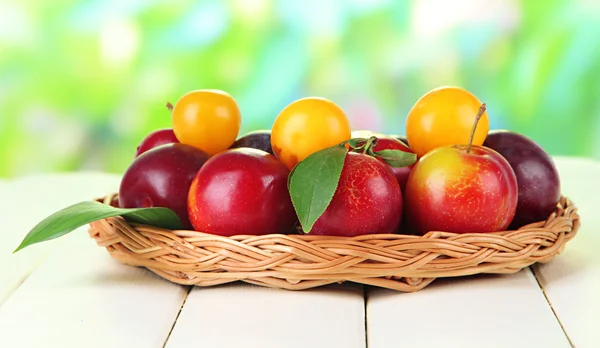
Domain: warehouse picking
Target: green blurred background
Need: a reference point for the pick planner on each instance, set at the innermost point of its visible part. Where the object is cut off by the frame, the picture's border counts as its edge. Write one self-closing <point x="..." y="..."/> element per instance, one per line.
<point x="82" y="82"/>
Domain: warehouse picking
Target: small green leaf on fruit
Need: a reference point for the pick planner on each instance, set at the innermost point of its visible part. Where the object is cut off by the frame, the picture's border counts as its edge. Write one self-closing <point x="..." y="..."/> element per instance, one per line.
<point x="313" y="183"/>
<point x="357" y="143"/>
<point x="80" y="214"/>
<point x="397" y="158"/>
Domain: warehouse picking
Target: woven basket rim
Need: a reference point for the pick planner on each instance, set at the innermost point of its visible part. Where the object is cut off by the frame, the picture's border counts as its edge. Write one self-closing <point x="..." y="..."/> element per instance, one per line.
<point x="297" y="261"/>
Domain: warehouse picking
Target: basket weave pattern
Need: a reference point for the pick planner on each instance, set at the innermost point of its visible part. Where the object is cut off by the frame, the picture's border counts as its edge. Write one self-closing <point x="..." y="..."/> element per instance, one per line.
<point x="400" y="262"/>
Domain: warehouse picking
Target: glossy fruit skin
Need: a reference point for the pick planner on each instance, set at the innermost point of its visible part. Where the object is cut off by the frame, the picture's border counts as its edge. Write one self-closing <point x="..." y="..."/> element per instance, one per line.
<point x="455" y="191"/>
<point x="367" y="201"/>
<point x="444" y="117"/>
<point x="537" y="176"/>
<point x="260" y="139"/>
<point x="306" y="126"/>
<point x="155" y="139"/>
<point x="161" y="177"/>
<point x="206" y="119"/>
<point x="389" y="143"/>
<point x="242" y="191"/>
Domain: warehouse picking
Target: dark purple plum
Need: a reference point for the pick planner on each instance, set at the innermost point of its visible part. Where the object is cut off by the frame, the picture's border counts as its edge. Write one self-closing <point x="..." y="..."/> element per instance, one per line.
<point x="156" y="138"/>
<point x="161" y="177"/>
<point x="537" y="177"/>
<point x="402" y="138"/>
<point x="260" y="139"/>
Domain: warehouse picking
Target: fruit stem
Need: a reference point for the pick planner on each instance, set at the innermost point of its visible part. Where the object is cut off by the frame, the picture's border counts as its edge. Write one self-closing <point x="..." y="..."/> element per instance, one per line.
<point x="479" y="114"/>
<point x="170" y="106"/>
<point x="371" y="142"/>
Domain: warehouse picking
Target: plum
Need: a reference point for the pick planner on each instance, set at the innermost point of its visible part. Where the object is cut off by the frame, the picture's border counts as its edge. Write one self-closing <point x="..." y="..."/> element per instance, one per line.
<point x="260" y="140"/>
<point x="161" y="177"/>
<point x="241" y="191"/>
<point x="461" y="189"/>
<point x="155" y="139"/>
<point x="385" y="142"/>
<point x="402" y="138"/>
<point x="367" y="200"/>
<point x="537" y="177"/>
<point x="389" y="142"/>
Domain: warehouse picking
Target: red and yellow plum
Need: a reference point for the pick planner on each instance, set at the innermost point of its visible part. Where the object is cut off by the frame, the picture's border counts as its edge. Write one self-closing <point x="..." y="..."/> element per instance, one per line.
<point x="455" y="190"/>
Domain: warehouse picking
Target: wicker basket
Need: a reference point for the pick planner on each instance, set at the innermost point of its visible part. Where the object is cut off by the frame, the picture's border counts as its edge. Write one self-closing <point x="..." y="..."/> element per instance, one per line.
<point x="295" y="262"/>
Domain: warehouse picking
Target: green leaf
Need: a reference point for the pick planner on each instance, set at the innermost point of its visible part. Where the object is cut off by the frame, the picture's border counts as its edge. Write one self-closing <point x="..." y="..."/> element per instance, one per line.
<point x="397" y="158"/>
<point x="313" y="183"/>
<point x="289" y="181"/>
<point x="80" y="214"/>
<point x="357" y="143"/>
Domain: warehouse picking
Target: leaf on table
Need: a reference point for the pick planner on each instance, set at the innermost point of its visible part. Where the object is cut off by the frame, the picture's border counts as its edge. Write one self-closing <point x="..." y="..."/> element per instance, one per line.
<point x="313" y="183"/>
<point x="80" y="214"/>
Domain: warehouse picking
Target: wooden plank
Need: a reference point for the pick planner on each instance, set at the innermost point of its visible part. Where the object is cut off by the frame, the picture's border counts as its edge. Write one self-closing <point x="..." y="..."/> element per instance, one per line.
<point x="572" y="280"/>
<point x="508" y="310"/>
<point x="14" y="224"/>
<point x="478" y="311"/>
<point x="28" y="200"/>
<point x="80" y="297"/>
<point x="243" y="315"/>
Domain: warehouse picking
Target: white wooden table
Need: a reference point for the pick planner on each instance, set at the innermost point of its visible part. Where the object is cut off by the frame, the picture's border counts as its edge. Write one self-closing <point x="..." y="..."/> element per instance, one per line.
<point x="70" y="293"/>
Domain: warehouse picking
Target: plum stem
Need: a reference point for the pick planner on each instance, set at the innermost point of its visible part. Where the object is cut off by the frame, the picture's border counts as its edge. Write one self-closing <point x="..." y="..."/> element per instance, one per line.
<point x="170" y="106"/>
<point x="479" y="114"/>
<point x="371" y="142"/>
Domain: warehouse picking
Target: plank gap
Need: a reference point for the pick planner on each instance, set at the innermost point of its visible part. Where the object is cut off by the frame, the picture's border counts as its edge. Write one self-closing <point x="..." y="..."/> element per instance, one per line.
<point x="535" y="275"/>
<point x="177" y="316"/>
<point x="365" y="313"/>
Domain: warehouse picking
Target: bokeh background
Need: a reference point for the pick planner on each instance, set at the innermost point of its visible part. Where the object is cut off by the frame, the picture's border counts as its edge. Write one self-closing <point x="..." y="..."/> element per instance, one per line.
<point x="82" y="81"/>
